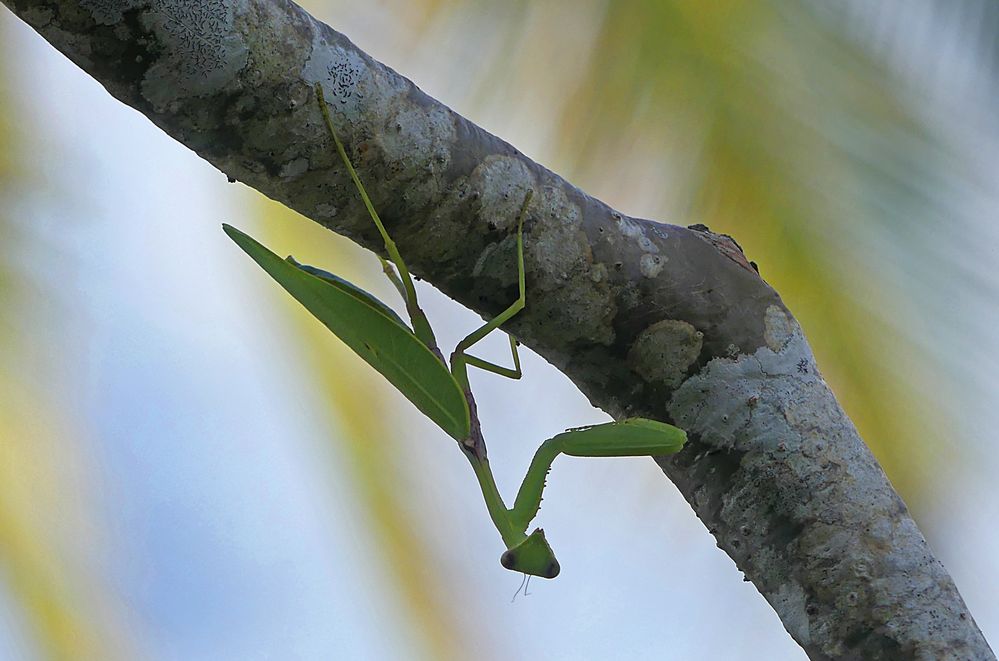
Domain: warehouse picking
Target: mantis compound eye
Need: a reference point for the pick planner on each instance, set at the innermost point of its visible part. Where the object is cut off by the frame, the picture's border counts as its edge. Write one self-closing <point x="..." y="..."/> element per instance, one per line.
<point x="532" y="556"/>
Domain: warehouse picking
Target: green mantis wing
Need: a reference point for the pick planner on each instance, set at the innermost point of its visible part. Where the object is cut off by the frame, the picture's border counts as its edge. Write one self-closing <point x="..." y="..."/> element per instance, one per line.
<point x="373" y="332"/>
<point x="348" y="287"/>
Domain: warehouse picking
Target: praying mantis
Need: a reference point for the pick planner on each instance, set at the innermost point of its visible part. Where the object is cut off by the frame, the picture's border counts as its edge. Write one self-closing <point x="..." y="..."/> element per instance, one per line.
<point x="410" y="359"/>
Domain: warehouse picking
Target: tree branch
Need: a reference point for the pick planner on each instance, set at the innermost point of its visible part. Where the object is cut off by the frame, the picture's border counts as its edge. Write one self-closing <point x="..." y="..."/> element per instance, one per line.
<point x="647" y="319"/>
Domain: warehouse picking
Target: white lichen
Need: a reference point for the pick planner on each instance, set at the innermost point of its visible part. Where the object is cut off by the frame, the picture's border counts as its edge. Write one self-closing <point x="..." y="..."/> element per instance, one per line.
<point x="325" y="210"/>
<point x="777" y="327"/>
<point x="651" y="265"/>
<point x="201" y="52"/>
<point x="341" y="72"/>
<point x="664" y="352"/>
<point x="294" y="168"/>
<point x="790" y="601"/>
<point x="714" y="402"/>
<point x="636" y="231"/>
<point x="502" y="183"/>
<point x="108" y="12"/>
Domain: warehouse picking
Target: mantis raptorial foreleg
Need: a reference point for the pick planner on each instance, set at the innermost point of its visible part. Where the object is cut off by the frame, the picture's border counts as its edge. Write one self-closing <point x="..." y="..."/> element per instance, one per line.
<point x="635" y="437"/>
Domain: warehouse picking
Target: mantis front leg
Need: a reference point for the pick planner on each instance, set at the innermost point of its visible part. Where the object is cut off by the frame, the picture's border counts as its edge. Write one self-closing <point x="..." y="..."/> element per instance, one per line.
<point x="531" y="554"/>
<point x="633" y="437"/>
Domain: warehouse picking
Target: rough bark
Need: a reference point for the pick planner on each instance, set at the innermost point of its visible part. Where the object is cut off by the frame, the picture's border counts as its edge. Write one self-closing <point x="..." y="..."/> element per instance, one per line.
<point x="646" y="318"/>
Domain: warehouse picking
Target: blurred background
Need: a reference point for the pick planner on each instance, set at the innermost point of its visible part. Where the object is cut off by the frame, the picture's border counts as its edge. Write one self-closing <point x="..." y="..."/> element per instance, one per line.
<point x="190" y="468"/>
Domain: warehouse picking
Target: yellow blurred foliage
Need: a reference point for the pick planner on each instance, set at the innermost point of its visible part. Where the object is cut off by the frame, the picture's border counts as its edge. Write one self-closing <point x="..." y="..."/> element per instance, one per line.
<point x="46" y="535"/>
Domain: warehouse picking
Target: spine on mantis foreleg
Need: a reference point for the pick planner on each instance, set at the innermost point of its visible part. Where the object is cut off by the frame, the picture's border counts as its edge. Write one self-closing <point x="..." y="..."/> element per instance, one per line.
<point x="528" y="500"/>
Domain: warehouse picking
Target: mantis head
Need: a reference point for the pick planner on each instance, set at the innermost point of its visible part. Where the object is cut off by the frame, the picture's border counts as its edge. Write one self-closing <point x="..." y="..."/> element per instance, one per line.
<point x="532" y="556"/>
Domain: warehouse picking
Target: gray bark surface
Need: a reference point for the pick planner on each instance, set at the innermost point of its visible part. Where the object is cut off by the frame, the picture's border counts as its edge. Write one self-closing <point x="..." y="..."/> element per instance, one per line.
<point x="646" y="318"/>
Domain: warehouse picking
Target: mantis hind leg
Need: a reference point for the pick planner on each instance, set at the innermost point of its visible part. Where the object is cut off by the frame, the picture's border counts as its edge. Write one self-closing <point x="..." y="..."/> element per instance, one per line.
<point x="403" y="281"/>
<point x="510" y="373"/>
<point x="392" y="276"/>
<point x="460" y="359"/>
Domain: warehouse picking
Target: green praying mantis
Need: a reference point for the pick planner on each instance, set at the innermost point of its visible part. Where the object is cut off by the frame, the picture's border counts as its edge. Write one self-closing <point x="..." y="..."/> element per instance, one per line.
<point x="409" y="358"/>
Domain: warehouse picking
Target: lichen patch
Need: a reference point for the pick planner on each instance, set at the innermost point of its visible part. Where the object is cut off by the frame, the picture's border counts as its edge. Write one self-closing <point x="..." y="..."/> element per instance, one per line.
<point x="502" y="183"/>
<point x="418" y="134"/>
<point x="108" y="12"/>
<point x="637" y="231"/>
<point x="664" y="352"/>
<point x="791" y="601"/>
<point x="418" y="143"/>
<point x="559" y="242"/>
<point x="294" y="168"/>
<point x="777" y="327"/>
<point x="325" y="210"/>
<point x="202" y="53"/>
<point x="598" y="273"/>
<point x="340" y="71"/>
<point x="651" y="265"/>
<point x="723" y="401"/>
